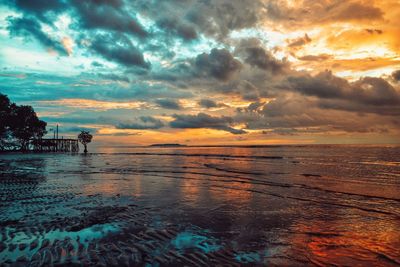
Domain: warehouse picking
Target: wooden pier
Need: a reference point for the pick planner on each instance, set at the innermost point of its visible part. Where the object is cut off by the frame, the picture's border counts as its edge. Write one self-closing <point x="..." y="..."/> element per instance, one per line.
<point x="54" y="145"/>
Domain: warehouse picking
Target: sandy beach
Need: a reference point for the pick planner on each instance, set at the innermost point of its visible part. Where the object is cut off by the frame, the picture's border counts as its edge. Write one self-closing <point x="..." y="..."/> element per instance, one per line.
<point x="233" y="206"/>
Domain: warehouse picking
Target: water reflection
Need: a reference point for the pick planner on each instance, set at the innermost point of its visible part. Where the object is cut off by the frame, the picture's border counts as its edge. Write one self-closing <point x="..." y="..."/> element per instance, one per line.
<point x="274" y="205"/>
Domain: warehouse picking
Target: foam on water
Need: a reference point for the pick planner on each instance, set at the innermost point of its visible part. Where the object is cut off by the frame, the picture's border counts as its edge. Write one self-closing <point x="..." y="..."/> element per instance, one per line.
<point x="189" y="240"/>
<point x="83" y="236"/>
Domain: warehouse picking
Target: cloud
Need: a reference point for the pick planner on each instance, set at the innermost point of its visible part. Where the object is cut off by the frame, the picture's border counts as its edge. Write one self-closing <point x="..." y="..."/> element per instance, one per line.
<point x="112" y="76"/>
<point x="176" y="27"/>
<point x="299" y="41"/>
<point x="306" y="115"/>
<point x="204" y="51"/>
<point x="368" y="91"/>
<point x="203" y="120"/>
<point x="118" y="48"/>
<point x="42" y="9"/>
<point x="320" y="57"/>
<point x="396" y="75"/>
<point x="374" y="91"/>
<point x="356" y="11"/>
<point x="208" y="103"/>
<point x="107" y="15"/>
<point x="256" y="56"/>
<point x="87" y="86"/>
<point x="374" y="31"/>
<point x="220" y="17"/>
<point x="27" y="27"/>
<point x="168" y="104"/>
<point x="97" y="64"/>
<point x="77" y="129"/>
<point x="219" y="63"/>
<point x="324" y="85"/>
<point x="68" y="45"/>
<point x="306" y="13"/>
<point x="142" y="123"/>
<point x="214" y="19"/>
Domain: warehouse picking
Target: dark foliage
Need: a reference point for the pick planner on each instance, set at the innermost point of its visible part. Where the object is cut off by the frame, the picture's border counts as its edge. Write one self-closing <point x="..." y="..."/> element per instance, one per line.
<point x="18" y="125"/>
<point x="85" y="137"/>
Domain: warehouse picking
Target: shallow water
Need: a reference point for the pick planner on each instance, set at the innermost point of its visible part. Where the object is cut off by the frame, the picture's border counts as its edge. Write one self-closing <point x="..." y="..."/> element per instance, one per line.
<point x="201" y="206"/>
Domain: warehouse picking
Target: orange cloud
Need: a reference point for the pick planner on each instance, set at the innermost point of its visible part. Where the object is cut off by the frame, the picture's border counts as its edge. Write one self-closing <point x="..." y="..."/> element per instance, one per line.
<point x="93" y="104"/>
<point x="68" y="44"/>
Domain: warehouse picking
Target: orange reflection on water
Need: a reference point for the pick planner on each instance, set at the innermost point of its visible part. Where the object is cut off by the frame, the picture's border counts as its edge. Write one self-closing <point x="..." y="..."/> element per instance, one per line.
<point x="355" y="243"/>
<point x="236" y="194"/>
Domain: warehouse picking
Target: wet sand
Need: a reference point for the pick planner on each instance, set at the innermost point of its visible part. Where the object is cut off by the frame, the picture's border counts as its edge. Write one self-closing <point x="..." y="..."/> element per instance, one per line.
<point x="275" y="206"/>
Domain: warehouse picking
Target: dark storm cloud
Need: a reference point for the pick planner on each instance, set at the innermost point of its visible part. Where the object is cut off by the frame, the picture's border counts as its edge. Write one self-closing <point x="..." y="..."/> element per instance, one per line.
<point x="249" y="91"/>
<point x="108" y="15"/>
<point x="27" y="28"/>
<point x="42" y="9"/>
<point x="208" y="103"/>
<point x="142" y="123"/>
<point x="203" y="120"/>
<point x="324" y="85"/>
<point x="255" y="55"/>
<point x="368" y="91"/>
<point x="118" y="48"/>
<point x="38" y="6"/>
<point x="258" y="57"/>
<point x="307" y="115"/>
<point x="374" y="91"/>
<point x="219" y="64"/>
<point x="396" y="75"/>
<point x="210" y="18"/>
<point x="243" y="88"/>
<point x="218" y="18"/>
<point x="358" y="107"/>
<point x="168" y="104"/>
<point x="176" y="27"/>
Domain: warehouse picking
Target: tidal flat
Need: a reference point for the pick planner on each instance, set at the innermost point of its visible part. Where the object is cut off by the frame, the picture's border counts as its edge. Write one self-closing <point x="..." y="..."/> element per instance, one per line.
<point x="310" y="205"/>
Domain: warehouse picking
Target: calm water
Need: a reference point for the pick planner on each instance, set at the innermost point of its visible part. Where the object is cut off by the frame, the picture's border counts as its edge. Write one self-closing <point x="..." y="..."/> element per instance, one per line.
<point x="202" y="206"/>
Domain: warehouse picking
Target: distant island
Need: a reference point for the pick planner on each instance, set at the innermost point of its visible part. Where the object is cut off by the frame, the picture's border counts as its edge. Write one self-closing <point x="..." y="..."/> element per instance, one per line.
<point x="167" y="145"/>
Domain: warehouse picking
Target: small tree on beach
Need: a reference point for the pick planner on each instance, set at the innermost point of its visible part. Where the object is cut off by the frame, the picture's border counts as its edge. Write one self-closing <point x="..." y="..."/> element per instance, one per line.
<point x="85" y="138"/>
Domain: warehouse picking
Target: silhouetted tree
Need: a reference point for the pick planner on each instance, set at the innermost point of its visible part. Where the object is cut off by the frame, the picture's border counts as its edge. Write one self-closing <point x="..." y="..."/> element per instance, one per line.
<point x="25" y="125"/>
<point x="5" y="111"/>
<point x="19" y="124"/>
<point x="85" y="138"/>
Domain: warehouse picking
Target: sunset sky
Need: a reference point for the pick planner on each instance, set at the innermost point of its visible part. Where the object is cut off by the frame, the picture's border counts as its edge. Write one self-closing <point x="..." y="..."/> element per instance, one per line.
<point x="207" y="72"/>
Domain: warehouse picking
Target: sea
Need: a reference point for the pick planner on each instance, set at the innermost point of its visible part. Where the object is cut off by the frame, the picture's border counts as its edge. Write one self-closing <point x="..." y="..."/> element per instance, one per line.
<point x="294" y="205"/>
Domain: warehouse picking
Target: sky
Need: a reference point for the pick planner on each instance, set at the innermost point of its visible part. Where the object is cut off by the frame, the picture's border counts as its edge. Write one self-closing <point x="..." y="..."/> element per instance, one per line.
<point x="226" y="72"/>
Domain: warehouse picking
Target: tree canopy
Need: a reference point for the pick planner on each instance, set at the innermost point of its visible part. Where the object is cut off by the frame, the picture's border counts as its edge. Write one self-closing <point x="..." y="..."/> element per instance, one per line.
<point x="18" y="125"/>
<point x="85" y="138"/>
